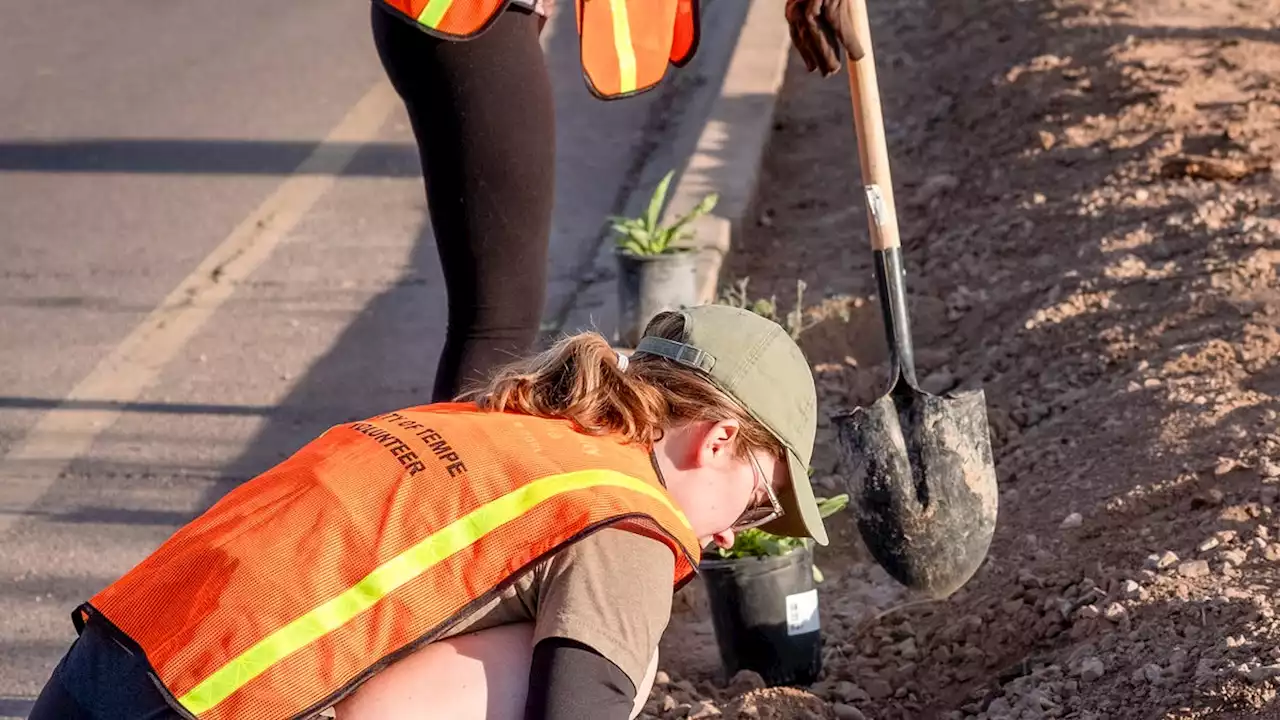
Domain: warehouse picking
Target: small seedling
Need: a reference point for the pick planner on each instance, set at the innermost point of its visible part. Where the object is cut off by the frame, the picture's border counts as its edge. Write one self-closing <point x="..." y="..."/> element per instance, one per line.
<point x="645" y="236"/>
<point x="794" y="322"/>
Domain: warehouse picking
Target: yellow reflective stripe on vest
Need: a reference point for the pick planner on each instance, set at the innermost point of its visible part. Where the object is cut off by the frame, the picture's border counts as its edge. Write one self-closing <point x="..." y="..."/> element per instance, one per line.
<point x="396" y="572"/>
<point x="622" y="45"/>
<point x="433" y="13"/>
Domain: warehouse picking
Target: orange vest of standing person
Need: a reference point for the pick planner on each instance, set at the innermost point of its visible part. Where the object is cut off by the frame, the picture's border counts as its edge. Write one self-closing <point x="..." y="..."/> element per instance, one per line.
<point x="366" y="545"/>
<point x="625" y="44"/>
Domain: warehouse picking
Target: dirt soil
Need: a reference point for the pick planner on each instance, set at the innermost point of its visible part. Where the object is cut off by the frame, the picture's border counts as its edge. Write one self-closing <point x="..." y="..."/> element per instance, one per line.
<point x="1089" y="193"/>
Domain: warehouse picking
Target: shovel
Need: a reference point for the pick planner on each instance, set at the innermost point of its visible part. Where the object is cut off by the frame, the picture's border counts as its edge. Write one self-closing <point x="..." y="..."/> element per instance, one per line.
<point x="918" y="466"/>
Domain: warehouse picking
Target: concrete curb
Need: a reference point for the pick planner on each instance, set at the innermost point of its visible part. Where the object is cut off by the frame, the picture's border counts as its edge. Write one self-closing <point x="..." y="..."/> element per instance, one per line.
<point x="729" y="152"/>
<point x="725" y="158"/>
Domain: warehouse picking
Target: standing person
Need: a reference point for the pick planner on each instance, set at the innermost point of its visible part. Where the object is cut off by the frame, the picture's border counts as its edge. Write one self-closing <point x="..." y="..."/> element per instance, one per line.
<point x="478" y="94"/>
<point x="538" y="530"/>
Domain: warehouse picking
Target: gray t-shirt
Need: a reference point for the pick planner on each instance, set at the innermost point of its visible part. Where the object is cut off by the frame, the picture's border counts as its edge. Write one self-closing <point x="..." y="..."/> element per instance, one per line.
<point x="610" y="591"/>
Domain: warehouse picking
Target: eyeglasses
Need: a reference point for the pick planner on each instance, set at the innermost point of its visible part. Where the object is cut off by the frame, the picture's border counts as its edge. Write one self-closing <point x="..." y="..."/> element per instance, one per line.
<point x="759" y="514"/>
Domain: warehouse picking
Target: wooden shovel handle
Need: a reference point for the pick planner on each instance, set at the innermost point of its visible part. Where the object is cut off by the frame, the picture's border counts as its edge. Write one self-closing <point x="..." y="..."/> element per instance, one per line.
<point x="873" y="152"/>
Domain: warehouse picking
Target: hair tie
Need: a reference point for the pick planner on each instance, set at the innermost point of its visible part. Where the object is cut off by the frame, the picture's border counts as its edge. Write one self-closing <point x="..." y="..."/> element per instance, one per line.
<point x="623" y="361"/>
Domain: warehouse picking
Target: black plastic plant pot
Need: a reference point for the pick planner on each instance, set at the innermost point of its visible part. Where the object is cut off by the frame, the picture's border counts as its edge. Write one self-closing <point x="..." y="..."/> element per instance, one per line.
<point x="650" y="284"/>
<point x="765" y="614"/>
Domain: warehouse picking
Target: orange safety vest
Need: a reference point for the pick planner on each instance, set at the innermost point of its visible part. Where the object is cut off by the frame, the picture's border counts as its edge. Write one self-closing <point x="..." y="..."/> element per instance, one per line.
<point x="365" y="545"/>
<point x="625" y="44"/>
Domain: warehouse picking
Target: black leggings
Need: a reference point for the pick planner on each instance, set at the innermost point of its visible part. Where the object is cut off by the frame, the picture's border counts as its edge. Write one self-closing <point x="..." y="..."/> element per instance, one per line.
<point x="483" y="115"/>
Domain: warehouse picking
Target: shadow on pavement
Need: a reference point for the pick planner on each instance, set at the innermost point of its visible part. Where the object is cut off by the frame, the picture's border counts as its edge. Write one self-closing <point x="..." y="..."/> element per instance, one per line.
<point x="199" y="157"/>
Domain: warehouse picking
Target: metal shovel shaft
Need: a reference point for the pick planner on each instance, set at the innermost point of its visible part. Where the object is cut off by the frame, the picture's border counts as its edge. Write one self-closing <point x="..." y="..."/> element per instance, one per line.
<point x="891" y="286"/>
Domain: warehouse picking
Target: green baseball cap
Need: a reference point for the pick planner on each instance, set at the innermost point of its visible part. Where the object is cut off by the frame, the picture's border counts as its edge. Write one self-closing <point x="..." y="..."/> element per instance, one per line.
<point x="755" y="362"/>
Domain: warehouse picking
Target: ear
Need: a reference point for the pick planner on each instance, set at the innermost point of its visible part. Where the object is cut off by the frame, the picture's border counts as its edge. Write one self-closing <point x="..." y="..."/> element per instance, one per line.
<point x="717" y="442"/>
<point x="724" y="539"/>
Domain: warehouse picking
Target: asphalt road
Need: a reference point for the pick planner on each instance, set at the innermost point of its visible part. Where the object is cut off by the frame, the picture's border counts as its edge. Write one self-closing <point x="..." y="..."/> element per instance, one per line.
<point x="213" y="245"/>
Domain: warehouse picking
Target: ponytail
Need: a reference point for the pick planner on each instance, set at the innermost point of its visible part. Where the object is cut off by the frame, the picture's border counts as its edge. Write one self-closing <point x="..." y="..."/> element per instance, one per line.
<point x="583" y="379"/>
<point x="579" y="379"/>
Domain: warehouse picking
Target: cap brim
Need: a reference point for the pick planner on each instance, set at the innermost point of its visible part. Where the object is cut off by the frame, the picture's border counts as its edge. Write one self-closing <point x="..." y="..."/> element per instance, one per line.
<point x="800" y="517"/>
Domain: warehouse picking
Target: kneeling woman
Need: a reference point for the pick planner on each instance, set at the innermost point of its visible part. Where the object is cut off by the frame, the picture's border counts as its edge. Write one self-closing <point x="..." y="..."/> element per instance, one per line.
<point x="513" y="556"/>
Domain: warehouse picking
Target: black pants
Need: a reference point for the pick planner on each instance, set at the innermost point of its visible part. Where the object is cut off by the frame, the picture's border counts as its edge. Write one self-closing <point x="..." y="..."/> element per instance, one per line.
<point x="99" y="679"/>
<point x="483" y="116"/>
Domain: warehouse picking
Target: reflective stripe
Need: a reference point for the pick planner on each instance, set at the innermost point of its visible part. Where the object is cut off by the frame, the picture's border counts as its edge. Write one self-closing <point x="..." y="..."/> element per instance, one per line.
<point x="433" y="13"/>
<point x="397" y="571"/>
<point x="622" y="45"/>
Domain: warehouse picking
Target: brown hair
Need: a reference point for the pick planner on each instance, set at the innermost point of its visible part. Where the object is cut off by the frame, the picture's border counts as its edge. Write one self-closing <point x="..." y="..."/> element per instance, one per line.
<point x="579" y="379"/>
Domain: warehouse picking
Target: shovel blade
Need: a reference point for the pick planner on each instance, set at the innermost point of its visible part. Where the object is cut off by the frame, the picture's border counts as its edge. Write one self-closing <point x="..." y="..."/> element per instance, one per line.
<point x="922" y="484"/>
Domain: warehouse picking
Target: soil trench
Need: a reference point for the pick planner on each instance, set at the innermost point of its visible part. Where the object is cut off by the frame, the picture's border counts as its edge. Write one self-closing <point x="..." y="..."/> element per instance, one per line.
<point x="1089" y="198"/>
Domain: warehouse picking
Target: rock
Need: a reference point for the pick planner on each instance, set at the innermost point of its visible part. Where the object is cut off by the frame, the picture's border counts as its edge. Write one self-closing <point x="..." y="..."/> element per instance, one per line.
<point x="1234" y="556"/>
<point x="703" y="710"/>
<point x="907" y="649"/>
<point x="744" y="682"/>
<point x="1115" y="612"/>
<point x="1074" y="520"/>
<point x="1130" y="589"/>
<point x="939" y="381"/>
<point x="1272" y="553"/>
<point x="668" y="703"/>
<point x="1258" y="543"/>
<point x="1263" y="673"/>
<point x="1205" y="671"/>
<point x="1208" y="544"/>
<point x="1091" y="669"/>
<point x="1270" y="494"/>
<point x="998" y="707"/>
<point x="847" y="712"/>
<point x="680" y="711"/>
<point x="1088" y="612"/>
<point x="1226" y="536"/>
<point x="661" y="679"/>
<point x="877" y="688"/>
<point x="1038" y="700"/>
<point x="1193" y="569"/>
<point x="1160" y="561"/>
<point x="1235" y="514"/>
<point x="1150" y="672"/>
<point x="849" y="692"/>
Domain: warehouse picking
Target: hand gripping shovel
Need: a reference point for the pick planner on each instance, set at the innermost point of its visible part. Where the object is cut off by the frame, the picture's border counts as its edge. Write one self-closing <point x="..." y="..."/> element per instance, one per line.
<point x="919" y="466"/>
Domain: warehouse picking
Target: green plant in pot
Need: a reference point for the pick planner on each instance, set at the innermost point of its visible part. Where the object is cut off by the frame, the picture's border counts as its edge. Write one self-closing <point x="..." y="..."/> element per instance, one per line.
<point x="764" y="604"/>
<point x="657" y="266"/>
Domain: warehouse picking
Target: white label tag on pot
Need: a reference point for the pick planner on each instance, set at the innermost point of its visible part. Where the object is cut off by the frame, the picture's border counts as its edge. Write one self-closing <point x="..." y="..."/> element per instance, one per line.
<point x="802" y="613"/>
